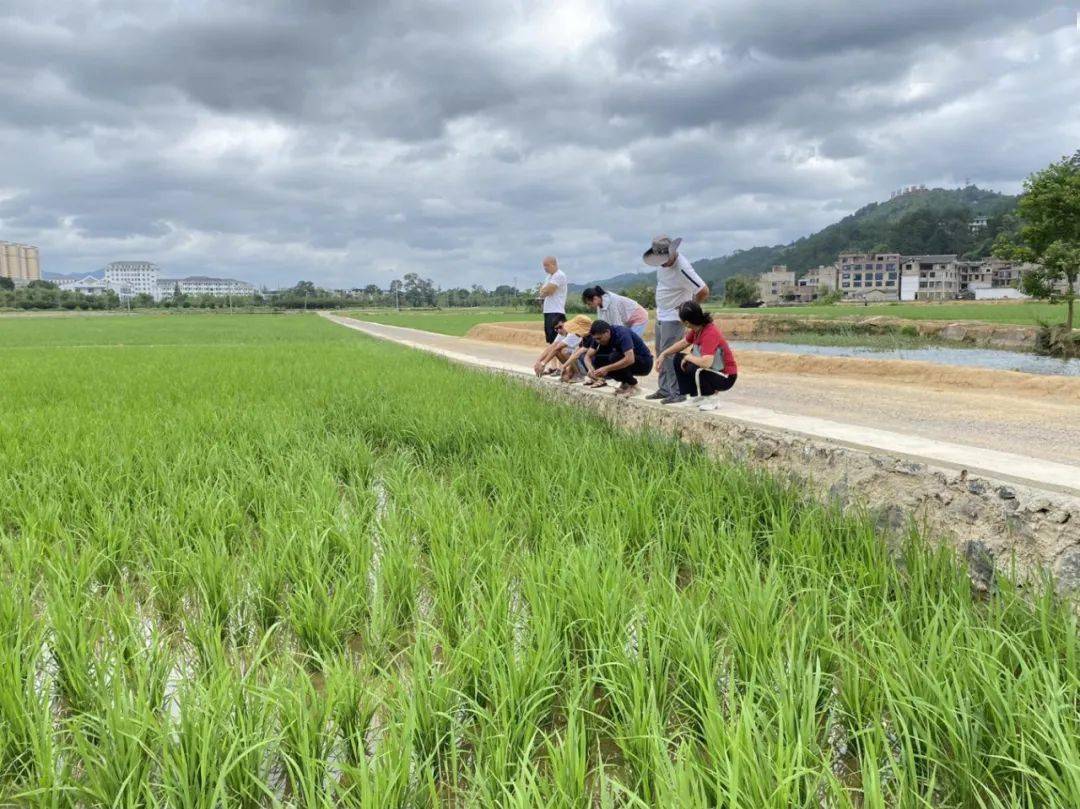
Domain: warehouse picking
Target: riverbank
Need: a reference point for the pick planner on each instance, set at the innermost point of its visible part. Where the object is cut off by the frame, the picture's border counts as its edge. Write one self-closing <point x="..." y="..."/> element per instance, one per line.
<point x="908" y="373"/>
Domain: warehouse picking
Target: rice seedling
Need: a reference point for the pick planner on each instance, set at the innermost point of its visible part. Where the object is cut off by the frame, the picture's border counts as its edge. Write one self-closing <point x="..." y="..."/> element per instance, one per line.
<point x="293" y="566"/>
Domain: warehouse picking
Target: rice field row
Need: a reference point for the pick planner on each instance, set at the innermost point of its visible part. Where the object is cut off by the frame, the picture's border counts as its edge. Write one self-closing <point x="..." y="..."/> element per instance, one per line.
<point x="286" y="565"/>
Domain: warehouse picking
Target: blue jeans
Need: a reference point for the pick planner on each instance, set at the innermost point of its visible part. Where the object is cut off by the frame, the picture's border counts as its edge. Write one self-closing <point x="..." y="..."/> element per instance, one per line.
<point x="639" y="329"/>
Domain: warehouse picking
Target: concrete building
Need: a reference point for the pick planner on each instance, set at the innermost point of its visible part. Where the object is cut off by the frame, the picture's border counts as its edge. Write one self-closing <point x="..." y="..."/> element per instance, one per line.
<point x="218" y="287"/>
<point x="816" y="282"/>
<point x="974" y="275"/>
<point x="777" y="285"/>
<point x="858" y="273"/>
<point x="20" y="262"/>
<point x="204" y="285"/>
<point x="92" y="285"/>
<point x="1005" y="274"/>
<point x="929" y="278"/>
<point x="979" y="223"/>
<point x="140" y="277"/>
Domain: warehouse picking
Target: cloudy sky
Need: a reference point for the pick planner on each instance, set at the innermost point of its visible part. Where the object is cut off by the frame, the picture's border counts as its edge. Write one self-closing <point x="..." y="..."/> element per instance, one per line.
<point x="351" y="142"/>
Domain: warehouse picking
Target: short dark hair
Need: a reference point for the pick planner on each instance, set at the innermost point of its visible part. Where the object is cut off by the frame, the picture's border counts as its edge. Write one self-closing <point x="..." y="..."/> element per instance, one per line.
<point x="592" y="292"/>
<point x="559" y="318"/>
<point x="692" y="313"/>
<point x="599" y="327"/>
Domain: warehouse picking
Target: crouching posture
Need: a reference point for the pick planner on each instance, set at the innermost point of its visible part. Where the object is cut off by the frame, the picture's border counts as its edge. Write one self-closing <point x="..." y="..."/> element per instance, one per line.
<point x="563" y="355"/>
<point x="616" y="352"/>
<point x="709" y="367"/>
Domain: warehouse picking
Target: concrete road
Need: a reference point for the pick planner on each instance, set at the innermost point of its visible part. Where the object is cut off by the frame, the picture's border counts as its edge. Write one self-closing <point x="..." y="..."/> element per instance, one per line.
<point x="1022" y="439"/>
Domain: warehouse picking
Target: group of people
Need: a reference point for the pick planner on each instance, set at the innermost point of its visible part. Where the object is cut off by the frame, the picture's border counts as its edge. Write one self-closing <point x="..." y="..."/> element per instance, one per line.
<point x="692" y="358"/>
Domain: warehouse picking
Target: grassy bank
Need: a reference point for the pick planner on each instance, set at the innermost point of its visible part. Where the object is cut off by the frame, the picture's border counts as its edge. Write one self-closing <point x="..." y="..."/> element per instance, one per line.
<point x="1027" y="313"/>
<point x="879" y="342"/>
<point x="273" y="561"/>
<point x="448" y="321"/>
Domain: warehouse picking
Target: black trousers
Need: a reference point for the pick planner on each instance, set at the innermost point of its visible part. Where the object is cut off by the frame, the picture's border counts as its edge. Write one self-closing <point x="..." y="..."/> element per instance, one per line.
<point x="711" y="381"/>
<point x="549" y="325"/>
<point x="642" y="366"/>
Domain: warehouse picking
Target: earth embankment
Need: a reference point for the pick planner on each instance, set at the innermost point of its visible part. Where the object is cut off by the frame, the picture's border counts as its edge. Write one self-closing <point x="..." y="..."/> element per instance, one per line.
<point x="908" y="373"/>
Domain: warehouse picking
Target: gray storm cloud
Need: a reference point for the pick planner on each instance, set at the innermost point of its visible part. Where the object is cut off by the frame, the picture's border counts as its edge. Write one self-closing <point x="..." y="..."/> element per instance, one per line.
<point x="281" y="140"/>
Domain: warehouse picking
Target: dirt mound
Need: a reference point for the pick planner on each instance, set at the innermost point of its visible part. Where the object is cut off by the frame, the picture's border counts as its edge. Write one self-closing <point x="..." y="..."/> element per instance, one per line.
<point x="914" y="373"/>
<point x="898" y="372"/>
<point x="521" y="334"/>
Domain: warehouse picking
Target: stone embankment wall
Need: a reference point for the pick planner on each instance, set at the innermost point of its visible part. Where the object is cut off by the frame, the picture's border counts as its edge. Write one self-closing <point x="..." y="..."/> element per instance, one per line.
<point x="997" y="526"/>
<point x="895" y="372"/>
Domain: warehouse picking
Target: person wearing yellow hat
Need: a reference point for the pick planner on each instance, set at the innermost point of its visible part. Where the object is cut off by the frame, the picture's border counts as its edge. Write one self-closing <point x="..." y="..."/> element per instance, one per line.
<point x="557" y="358"/>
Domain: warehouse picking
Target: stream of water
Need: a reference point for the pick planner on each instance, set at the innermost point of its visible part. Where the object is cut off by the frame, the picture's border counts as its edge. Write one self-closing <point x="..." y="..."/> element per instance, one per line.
<point x="967" y="357"/>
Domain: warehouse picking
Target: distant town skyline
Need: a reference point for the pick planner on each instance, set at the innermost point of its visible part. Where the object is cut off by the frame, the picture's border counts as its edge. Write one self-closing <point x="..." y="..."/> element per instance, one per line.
<point x="273" y="143"/>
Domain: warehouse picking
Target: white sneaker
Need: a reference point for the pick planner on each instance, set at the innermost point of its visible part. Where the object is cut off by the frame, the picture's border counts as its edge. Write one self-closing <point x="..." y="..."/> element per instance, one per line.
<point x="707" y="406"/>
<point x="694" y="399"/>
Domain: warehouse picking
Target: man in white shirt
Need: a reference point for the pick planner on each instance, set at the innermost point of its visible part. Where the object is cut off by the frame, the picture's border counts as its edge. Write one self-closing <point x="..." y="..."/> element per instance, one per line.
<point x="676" y="283"/>
<point x="553" y="295"/>
<point x="618" y="310"/>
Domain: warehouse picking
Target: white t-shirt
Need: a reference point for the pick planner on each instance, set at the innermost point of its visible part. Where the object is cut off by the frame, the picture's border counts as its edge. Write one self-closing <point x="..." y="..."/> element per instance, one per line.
<point x="556" y="301"/>
<point x="675" y="285"/>
<point x="571" y="340"/>
<point x="618" y="310"/>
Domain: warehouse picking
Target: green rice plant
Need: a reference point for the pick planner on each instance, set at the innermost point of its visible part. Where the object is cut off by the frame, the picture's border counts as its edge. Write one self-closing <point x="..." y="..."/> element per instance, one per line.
<point x="306" y="737"/>
<point x="27" y="745"/>
<point x="567" y="755"/>
<point x="205" y="754"/>
<point x="353" y="706"/>
<point x="115" y="746"/>
<point x="298" y="566"/>
<point x="322" y="613"/>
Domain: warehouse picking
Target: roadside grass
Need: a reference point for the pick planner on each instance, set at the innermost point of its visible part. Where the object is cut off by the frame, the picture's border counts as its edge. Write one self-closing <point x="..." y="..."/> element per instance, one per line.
<point x="314" y="569"/>
<point x="447" y="321"/>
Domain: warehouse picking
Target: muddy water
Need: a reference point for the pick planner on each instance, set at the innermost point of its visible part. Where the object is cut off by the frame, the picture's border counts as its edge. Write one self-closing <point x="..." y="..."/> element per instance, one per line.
<point x="988" y="358"/>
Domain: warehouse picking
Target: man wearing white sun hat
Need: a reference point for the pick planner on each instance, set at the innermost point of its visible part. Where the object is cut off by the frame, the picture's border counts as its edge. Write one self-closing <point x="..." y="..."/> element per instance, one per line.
<point x="676" y="283"/>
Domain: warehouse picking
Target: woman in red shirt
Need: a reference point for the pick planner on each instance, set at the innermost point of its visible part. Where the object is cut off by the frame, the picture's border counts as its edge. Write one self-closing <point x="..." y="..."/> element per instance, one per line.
<point x="710" y="366"/>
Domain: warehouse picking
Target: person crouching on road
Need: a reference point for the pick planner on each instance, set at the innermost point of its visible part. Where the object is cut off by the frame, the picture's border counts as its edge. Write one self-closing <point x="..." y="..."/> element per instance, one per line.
<point x="709" y="367"/>
<point x="563" y="355"/>
<point x="616" y="352"/>
<point x="618" y="310"/>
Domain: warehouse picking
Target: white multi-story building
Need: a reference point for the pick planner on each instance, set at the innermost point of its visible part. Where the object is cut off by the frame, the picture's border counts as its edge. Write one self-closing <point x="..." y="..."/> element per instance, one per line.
<point x="91" y="285"/>
<point x="19" y="262"/>
<point x="204" y="285"/>
<point x="218" y="287"/>
<point x="140" y="276"/>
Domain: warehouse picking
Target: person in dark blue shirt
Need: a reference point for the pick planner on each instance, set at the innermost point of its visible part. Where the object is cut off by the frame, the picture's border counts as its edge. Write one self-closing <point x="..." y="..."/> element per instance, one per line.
<point x="616" y="352"/>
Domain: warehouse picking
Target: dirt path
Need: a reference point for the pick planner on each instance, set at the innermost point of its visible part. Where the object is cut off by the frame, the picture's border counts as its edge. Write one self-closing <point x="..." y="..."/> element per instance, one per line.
<point x="1015" y="433"/>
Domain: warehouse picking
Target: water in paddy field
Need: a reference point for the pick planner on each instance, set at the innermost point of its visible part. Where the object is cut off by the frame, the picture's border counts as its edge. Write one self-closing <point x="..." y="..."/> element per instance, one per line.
<point x="965" y="357"/>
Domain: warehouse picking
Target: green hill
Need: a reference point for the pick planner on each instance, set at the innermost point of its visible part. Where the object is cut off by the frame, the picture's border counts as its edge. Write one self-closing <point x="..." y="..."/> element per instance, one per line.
<point x="934" y="220"/>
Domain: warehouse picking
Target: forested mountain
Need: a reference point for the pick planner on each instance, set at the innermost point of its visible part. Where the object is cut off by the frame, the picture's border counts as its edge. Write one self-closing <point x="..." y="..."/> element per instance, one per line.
<point x="935" y="220"/>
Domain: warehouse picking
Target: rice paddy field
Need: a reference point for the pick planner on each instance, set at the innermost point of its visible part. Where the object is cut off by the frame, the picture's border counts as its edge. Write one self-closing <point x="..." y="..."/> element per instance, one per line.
<point x="259" y="560"/>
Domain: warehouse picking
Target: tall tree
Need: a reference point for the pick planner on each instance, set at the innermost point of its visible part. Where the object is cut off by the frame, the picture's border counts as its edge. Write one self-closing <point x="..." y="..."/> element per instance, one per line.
<point x="418" y="291"/>
<point x="740" y="289"/>
<point x="1049" y="212"/>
